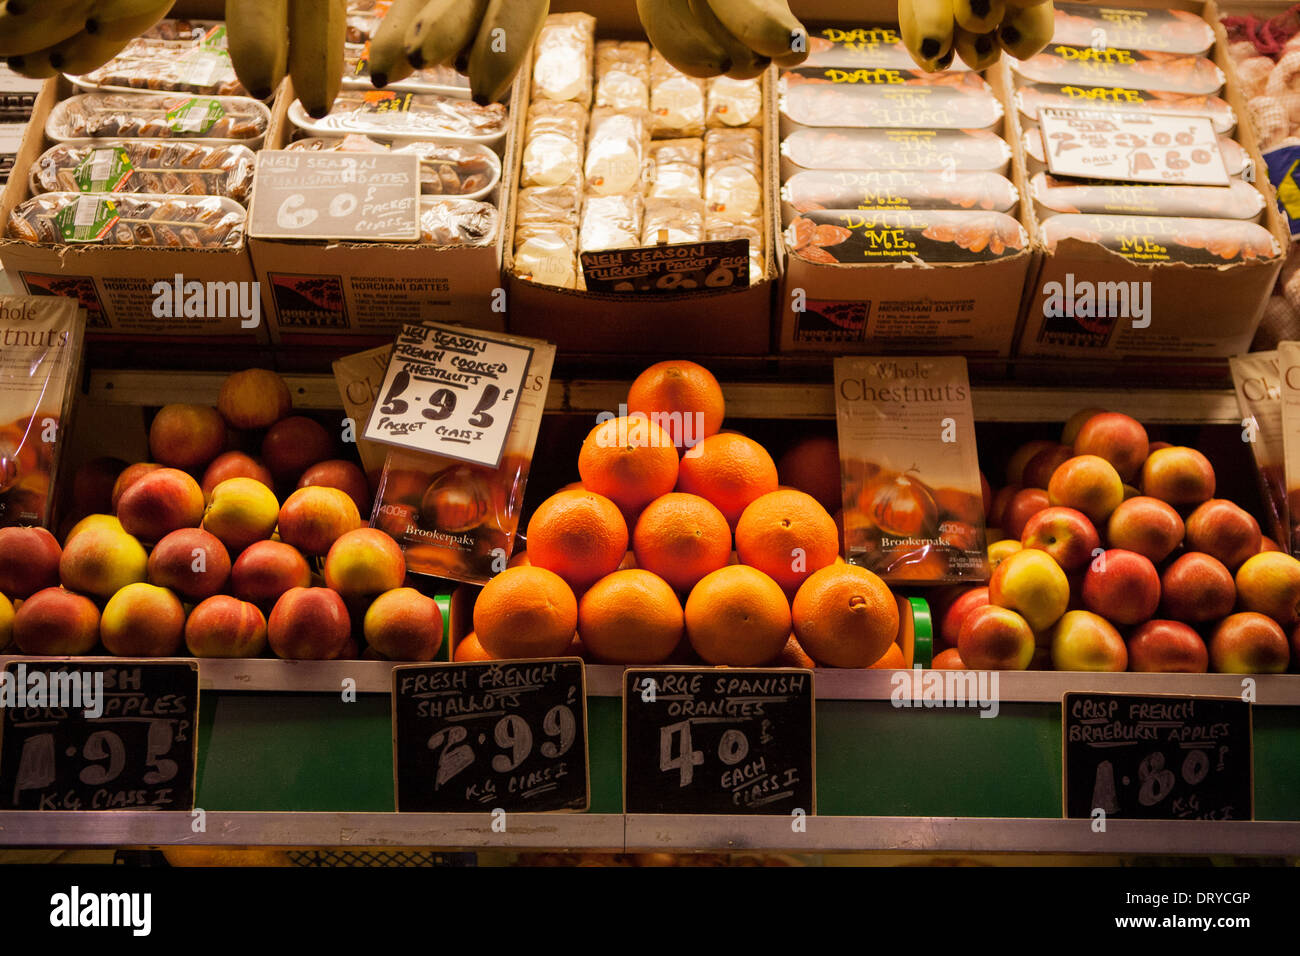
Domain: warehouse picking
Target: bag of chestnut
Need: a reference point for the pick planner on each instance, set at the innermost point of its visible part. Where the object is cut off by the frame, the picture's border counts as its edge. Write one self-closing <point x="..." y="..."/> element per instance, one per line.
<point x="909" y="469"/>
<point x="1257" y="378"/>
<point x="40" y="355"/>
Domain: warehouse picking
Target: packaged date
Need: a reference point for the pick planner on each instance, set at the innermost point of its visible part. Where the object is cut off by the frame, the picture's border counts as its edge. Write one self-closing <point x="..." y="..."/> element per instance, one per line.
<point x="162" y="222"/>
<point x="882" y="97"/>
<point x="1132" y="28"/>
<point x="158" y="116"/>
<point x="466" y="170"/>
<point x="854" y="236"/>
<point x="165" y="67"/>
<point x="897" y="189"/>
<point x="962" y="150"/>
<point x="457" y="222"/>
<point x="1154" y="239"/>
<point x="1063" y="64"/>
<point x="1030" y="99"/>
<point x="168" y="167"/>
<point x="389" y="113"/>
<point x="1052" y="196"/>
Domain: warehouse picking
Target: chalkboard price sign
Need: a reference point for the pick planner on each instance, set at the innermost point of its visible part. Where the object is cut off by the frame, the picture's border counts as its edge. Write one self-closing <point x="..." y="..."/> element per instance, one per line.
<point x="704" y="740"/>
<point x="665" y="269"/>
<point x="1157" y="757"/>
<point x="93" y="735"/>
<point x="491" y="735"/>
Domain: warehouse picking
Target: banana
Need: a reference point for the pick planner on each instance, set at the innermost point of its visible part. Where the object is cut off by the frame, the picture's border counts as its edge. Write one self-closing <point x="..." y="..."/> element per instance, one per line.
<point x="32" y="25"/>
<point x="388" y="62"/>
<point x="508" y="31"/>
<point x="257" y="38"/>
<point x="791" y="60"/>
<point x="1020" y="4"/>
<point x="79" y="54"/>
<point x="1027" y="30"/>
<point x="979" y="51"/>
<point x="128" y="27"/>
<point x="745" y="63"/>
<point x="927" y="29"/>
<point x="978" y="16"/>
<point x="440" y="31"/>
<point x="676" y="33"/>
<point x="765" y="26"/>
<point x="317" y="32"/>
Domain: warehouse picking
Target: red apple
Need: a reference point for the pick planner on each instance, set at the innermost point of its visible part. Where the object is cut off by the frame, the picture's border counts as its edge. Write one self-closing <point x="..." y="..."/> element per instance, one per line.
<point x="1149" y="526"/>
<point x="995" y="638"/>
<point x="1119" y="439"/>
<point x="957" y="611"/>
<point x="1026" y="503"/>
<point x="1197" y="588"/>
<point x="1168" y="646"/>
<point x="1249" y="643"/>
<point x="1064" y="533"/>
<point x="1122" y="586"/>
<point x="1220" y="528"/>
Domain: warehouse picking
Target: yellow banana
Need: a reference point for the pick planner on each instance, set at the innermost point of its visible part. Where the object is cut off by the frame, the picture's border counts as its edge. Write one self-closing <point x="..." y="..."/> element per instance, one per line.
<point x="79" y="54"/>
<point x="1027" y="30"/>
<point x="508" y="31"/>
<point x="765" y="26"/>
<point x="978" y="16"/>
<point x="115" y="20"/>
<point x="317" y="32"/>
<point x="257" y="38"/>
<point x="927" y="30"/>
<point x="745" y="62"/>
<point x="440" y="30"/>
<point x="676" y="33"/>
<point x="388" y="61"/>
<point x="979" y="51"/>
<point x="30" y="25"/>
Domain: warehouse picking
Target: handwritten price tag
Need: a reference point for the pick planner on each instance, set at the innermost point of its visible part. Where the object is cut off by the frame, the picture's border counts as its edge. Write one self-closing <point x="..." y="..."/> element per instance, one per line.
<point x="680" y="267"/>
<point x="1137" y="147"/>
<point x="449" y="391"/>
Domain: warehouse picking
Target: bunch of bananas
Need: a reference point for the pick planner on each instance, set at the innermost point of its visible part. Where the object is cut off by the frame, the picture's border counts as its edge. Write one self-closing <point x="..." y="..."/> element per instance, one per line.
<point x="304" y="38"/>
<point x="42" y="38"/>
<point x="738" y="38"/>
<point x="978" y="31"/>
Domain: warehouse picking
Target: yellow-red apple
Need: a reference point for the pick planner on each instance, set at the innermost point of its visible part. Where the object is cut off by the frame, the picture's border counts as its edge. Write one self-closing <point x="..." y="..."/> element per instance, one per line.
<point x="1087" y="483"/>
<point x="1123" y="586"/>
<point x="1249" y="643"/>
<point x="101" y="560"/>
<point x="1031" y="583"/>
<point x="1179" y="475"/>
<point x="1222" y="529"/>
<point x="309" y="624"/>
<point x="224" y="626"/>
<point x="1084" y="641"/>
<point x="242" y="511"/>
<point x="160" y="503"/>
<point x="190" y="562"/>
<point x="994" y="638"/>
<point x="234" y="464"/>
<point x="186" y="436"/>
<point x="1119" y="439"/>
<point x="266" y="570"/>
<point x="142" y="620"/>
<point x="1167" y="646"/>
<point x="254" y="398"/>
<point x="404" y="625"/>
<point x="1147" y="525"/>
<point x="1269" y="582"/>
<point x="29" y="561"/>
<point x="1197" y="588"/>
<point x="57" y="623"/>
<point x="1064" y="533"/>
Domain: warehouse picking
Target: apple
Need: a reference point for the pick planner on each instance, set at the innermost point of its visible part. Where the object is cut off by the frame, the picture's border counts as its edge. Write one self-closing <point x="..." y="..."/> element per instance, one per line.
<point x="1075" y="422"/>
<point x="998" y="551"/>
<point x="1033" y="584"/>
<point x="1119" y="439"/>
<point x="1222" y="529"/>
<point x="56" y="622"/>
<point x="1039" y="470"/>
<point x="1269" y="582"/>
<point x="1147" y="525"/>
<point x="994" y="638"/>
<point x="1084" y="641"/>
<point x="1026" y="503"/>
<point x="1087" y="483"/>
<point x="1179" y="475"/>
<point x="1021" y="457"/>
<point x="1197" y="588"/>
<point x="956" y="612"/>
<point x="1123" y="586"/>
<point x="1064" y="533"/>
<point x="1167" y="646"/>
<point x="29" y="561"/>
<point x="309" y="624"/>
<point x="1249" y="643"/>
<point x="224" y="626"/>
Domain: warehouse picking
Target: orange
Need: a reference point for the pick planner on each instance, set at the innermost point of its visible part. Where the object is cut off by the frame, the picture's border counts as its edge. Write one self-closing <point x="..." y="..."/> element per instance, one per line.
<point x="579" y="535"/>
<point x="630" y="617"/>
<point x="681" y="538"/>
<point x="948" y="660"/>
<point x="892" y="660"/>
<point x="813" y="466"/>
<point x="631" y="461"/>
<point x="469" y="649"/>
<point x="845" y="616"/>
<point x="787" y="535"/>
<point x="730" y="471"/>
<point x="738" y="616"/>
<point x="525" y="612"/>
<point x="520" y="560"/>
<point x="792" y="655"/>
<point x="682" y="397"/>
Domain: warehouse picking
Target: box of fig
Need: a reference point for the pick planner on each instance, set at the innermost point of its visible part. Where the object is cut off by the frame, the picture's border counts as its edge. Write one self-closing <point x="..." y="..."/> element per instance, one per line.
<point x="1257" y="378"/>
<point x="39" y="370"/>
<point x="909" y="469"/>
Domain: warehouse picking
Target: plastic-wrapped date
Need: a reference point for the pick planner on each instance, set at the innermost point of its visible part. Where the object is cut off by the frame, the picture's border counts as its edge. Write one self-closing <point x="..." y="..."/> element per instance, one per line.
<point x="457" y="222"/>
<point x="883" y="97"/>
<point x="176" y="222"/>
<point x="1237" y="200"/>
<point x="875" y="236"/>
<point x="146" y="166"/>
<point x="407" y="115"/>
<point x="1061" y="63"/>
<point x="158" y="116"/>
<point x="897" y="189"/>
<point x="930" y="149"/>
<point x="446" y="169"/>
<point x="1132" y="28"/>
<point x="158" y="66"/>
<point x="1030" y="99"/>
<point x="1155" y="239"/>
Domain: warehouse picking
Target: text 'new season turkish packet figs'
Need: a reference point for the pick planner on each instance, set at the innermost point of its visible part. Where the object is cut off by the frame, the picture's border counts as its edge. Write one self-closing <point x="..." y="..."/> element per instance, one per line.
<point x="909" y="470"/>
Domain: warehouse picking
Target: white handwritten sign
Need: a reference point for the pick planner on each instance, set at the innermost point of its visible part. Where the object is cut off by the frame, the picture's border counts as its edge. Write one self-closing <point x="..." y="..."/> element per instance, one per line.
<point x="360" y="196"/>
<point x="451" y="392"/>
<point x="1139" y="147"/>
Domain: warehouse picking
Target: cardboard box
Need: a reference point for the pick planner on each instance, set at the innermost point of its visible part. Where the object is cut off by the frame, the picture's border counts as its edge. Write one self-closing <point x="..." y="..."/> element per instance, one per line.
<point x="355" y="294"/>
<point x="1194" y="311"/>
<point x="116" y="285"/>
<point x="966" y="308"/>
<point x="730" y="322"/>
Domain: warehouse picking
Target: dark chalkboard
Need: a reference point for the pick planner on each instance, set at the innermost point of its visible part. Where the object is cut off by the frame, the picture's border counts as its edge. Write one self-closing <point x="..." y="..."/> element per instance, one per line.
<point x="137" y="754"/>
<point x="1158" y="757"/>
<point x="507" y="735"/>
<point x="680" y="267"/>
<point x="718" y="740"/>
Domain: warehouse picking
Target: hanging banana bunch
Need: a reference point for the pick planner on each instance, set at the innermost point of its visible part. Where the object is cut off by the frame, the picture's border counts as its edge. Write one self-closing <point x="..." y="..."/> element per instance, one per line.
<point x="738" y="38"/>
<point x="978" y="31"/>
<point x="43" y="38"/>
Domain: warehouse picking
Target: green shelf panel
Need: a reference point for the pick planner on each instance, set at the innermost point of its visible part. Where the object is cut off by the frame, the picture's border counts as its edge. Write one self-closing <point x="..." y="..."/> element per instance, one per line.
<point x="312" y="752"/>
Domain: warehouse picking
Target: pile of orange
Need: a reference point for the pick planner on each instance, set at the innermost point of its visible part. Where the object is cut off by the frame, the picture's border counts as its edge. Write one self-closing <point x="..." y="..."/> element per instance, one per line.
<point x="681" y="545"/>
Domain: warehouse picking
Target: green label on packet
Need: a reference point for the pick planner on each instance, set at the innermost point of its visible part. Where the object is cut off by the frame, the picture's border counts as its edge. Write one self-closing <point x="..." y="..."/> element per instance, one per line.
<point x="195" y="116"/>
<point x="87" y="220"/>
<point x="214" y="39"/>
<point x="103" y="170"/>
